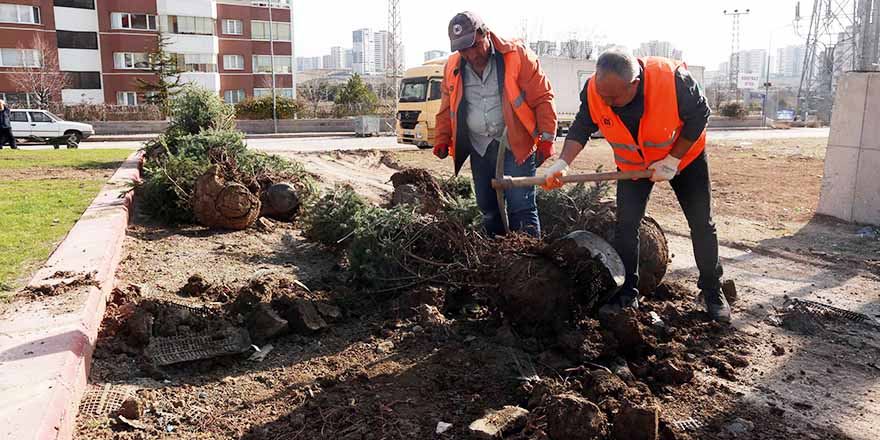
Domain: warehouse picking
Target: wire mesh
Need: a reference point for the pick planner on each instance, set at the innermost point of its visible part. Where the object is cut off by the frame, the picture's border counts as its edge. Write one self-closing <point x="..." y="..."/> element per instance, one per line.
<point x="690" y="424"/>
<point x="104" y="400"/>
<point x="175" y="349"/>
<point x="830" y="312"/>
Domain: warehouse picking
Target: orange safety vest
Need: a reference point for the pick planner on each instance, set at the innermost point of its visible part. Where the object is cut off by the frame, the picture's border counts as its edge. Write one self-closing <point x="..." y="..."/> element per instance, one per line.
<point x="512" y="92"/>
<point x="659" y="127"/>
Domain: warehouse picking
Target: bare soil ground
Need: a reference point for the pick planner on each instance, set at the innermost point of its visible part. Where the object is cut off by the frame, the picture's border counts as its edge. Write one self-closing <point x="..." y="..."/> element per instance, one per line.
<point x="383" y="372"/>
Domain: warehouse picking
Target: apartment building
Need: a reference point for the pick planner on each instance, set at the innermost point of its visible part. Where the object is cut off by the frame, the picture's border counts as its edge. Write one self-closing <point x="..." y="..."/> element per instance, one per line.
<point x="102" y="45"/>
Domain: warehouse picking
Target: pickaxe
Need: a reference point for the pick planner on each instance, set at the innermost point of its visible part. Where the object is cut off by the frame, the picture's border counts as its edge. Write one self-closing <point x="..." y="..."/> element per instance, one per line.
<point x="502" y="182"/>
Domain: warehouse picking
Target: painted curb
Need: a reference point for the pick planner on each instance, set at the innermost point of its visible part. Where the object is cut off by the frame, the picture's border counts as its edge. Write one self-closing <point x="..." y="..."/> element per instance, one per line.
<point x="46" y="345"/>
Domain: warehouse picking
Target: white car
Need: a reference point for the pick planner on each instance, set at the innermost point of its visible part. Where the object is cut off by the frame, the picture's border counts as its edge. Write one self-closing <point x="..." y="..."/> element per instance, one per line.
<point x="45" y="127"/>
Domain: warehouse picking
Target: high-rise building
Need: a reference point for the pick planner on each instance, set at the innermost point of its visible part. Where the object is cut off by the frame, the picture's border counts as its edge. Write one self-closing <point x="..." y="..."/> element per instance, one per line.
<point x="309" y="63"/>
<point x="103" y="46"/>
<point x="363" y="51"/>
<point x="381" y="48"/>
<point x="434" y="54"/>
<point x="349" y="59"/>
<point x="656" y="48"/>
<point x="753" y="61"/>
<point x="790" y="61"/>
<point x="336" y="59"/>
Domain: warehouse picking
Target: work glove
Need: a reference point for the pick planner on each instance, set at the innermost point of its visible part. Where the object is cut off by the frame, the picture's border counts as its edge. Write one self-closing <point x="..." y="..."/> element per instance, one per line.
<point x="664" y="169"/>
<point x="441" y="151"/>
<point x="552" y="175"/>
<point x="544" y="151"/>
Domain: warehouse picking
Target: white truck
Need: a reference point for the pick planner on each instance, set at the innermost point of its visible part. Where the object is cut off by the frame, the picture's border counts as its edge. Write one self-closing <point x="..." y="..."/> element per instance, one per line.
<point x="567" y="76"/>
<point x="45" y="127"/>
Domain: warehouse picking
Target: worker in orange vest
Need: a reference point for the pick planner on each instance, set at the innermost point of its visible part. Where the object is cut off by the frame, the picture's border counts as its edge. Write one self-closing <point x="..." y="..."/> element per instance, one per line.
<point x="495" y="96"/>
<point x="654" y="115"/>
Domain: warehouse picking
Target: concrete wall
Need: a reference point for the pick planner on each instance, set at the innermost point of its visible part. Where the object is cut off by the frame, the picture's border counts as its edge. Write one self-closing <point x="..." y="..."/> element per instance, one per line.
<point x="247" y="126"/>
<point x="851" y="184"/>
<point x="725" y="122"/>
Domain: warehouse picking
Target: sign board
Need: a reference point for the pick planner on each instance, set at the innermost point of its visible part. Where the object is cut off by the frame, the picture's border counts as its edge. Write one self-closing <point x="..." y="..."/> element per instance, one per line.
<point x="785" y="115"/>
<point x="748" y="81"/>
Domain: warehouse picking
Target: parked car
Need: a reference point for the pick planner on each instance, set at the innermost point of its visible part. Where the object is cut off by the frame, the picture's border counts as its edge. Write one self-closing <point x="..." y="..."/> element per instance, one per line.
<point x="44" y="127"/>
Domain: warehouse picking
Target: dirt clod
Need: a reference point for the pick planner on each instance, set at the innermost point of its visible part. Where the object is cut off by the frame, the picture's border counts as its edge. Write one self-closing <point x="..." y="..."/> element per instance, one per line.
<point x="303" y="316"/>
<point x="728" y="288"/>
<point x="571" y="417"/>
<point x="132" y="408"/>
<point x="500" y="422"/>
<point x="280" y="202"/>
<point x="264" y="324"/>
<point x="636" y="423"/>
<point x="674" y="372"/>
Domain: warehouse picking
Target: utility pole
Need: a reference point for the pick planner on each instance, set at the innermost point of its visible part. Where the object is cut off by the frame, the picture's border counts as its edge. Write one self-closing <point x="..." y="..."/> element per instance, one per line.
<point x="272" y="56"/>
<point x="733" y="64"/>
<point x="394" y="69"/>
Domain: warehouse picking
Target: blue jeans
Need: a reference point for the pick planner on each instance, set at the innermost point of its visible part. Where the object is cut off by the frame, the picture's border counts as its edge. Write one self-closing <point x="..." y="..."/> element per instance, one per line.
<point x="522" y="212"/>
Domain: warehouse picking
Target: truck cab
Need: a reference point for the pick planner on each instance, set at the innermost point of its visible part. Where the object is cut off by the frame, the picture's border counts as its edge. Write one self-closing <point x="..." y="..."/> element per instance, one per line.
<point x="419" y="103"/>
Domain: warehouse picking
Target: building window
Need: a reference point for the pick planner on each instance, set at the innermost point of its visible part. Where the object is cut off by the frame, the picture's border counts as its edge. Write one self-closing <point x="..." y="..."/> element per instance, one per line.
<point x="126" y="98"/>
<point x="233" y="96"/>
<point x="263" y="64"/>
<point x="84" y="80"/>
<point x="286" y="93"/>
<point x="260" y="30"/>
<point x="232" y="27"/>
<point x="197" y="62"/>
<point x="124" y="20"/>
<point x="77" y="40"/>
<point x="233" y="62"/>
<point x="82" y="4"/>
<point x="19" y="14"/>
<point x="130" y="60"/>
<point x="19" y="58"/>
<point x="16" y="99"/>
<point x="187" y="25"/>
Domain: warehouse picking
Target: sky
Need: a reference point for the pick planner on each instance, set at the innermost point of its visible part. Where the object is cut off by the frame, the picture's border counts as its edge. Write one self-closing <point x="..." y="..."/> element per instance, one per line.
<point x="697" y="27"/>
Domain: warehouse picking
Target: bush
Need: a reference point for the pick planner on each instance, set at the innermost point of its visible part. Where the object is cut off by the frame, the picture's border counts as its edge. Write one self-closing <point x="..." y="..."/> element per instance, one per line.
<point x="261" y="108"/>
<point x="170" y="177"/>
<point x="333" y="218"/>
<point x="103" y="112"/>
<point x="734" y="109"/>
<point x="196" y="109"/>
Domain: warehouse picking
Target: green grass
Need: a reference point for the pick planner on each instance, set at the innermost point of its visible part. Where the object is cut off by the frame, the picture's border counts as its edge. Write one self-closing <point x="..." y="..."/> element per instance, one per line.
<point x="36" y="213"/>
<point x="84" y="159"/>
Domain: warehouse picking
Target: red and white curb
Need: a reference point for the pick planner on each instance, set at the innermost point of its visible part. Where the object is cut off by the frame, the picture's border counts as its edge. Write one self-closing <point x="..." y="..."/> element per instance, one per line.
<point x="46" y="344"/>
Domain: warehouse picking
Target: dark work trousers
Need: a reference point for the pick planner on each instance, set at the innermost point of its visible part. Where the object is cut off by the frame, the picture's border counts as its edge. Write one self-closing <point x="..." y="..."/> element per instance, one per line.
<point x="522" y="211"/>
<point x="6" y="136"/>
<point x="693" y="190"/>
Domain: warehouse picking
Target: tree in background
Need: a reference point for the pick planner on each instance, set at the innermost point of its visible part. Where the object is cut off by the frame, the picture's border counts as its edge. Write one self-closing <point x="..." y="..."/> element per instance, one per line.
<point x="355" y="98"/>
<point x="313" y="93"/>
<point x="40" y="76"/>
<point x="164" y="66"/>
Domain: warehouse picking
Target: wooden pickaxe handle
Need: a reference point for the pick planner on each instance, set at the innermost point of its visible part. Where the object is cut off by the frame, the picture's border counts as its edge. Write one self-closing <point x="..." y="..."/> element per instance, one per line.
<point x="508" y="182"/>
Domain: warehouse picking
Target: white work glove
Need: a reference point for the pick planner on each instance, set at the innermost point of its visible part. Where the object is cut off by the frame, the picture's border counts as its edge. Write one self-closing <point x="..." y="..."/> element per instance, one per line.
<point x="553" y="173"/>
<point x="664" y="169"/>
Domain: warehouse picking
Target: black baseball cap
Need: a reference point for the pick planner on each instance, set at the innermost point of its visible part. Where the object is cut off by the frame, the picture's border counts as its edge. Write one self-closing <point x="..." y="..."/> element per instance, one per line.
<point x="463" y="30"/>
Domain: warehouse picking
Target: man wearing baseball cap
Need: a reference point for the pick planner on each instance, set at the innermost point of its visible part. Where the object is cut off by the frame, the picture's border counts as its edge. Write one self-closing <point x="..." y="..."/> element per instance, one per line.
<point x="497" y="104"/>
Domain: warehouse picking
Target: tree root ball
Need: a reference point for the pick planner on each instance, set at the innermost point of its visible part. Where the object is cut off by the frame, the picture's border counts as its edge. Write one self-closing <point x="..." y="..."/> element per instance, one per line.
<point x="535" y="292"/>
<point x="653" y="248"/>
<point x="280" y="202"/>
<point x="221" y="204"/>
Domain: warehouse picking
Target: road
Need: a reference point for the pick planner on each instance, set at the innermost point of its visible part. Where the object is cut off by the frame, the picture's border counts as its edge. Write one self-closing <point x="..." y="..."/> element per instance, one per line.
<point x="343" y="143"/>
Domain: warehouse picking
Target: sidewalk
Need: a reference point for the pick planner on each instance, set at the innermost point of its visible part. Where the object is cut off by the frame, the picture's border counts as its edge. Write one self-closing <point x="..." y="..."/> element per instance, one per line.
<point x="146" y="137"/>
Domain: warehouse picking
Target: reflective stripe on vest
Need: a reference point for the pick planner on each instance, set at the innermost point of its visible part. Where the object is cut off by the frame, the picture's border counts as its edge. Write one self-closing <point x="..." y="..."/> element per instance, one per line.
<point x="649" y="144"/>
<point x="620" y="160"/>
<point x="627" y="147"/>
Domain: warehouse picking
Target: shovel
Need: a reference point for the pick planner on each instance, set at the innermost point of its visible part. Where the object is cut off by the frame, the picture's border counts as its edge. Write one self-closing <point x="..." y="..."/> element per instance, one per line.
<point x="506" y="182"/>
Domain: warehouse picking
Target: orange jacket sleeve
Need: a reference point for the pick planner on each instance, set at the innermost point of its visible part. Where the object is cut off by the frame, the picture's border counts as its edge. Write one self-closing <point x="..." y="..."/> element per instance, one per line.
<point x="442" y="123"/>
<point x="539" y="92"/>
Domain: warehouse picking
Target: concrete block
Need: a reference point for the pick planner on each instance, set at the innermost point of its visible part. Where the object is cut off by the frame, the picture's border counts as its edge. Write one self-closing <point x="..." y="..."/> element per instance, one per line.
<point x="866" y="205"/>
<point x="871" y="121"/>
<point x="849" y="106"/>
<point x="838" y="183"/>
